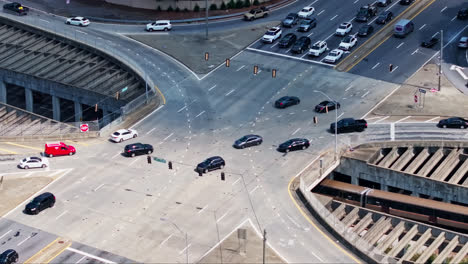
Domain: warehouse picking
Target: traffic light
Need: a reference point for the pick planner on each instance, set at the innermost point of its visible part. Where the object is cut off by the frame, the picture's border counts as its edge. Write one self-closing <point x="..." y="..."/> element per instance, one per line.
<point x="228" y="62"/>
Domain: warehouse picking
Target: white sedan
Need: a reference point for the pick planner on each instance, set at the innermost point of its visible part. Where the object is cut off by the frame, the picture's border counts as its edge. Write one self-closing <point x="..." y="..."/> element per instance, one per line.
<point x="78" y="21"/>
<point x="306" y="12"/>
<point x="334" y="56"/>
<point x="348" y="42"/>
<point x="123" y="134"/>
<point x="33" y="162"/>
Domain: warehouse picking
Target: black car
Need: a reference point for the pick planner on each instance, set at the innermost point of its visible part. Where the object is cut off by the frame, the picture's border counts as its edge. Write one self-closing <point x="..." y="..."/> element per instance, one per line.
<point x="301" y="45"/>
<point x="462" y="14"/>
<point x="210" y="164"/>
<point x="286" y="101"/>
<point x="307" y="24"/>
<point x="346" y="125"/>
<point x="384" y="17"/>
<point x="294" y="144"/>
<point x="290" y="20"/>
<point x="365" y="31"/>
<point x="287" y="40"/>
<point x="135" y="149"/>
<point x="40" y="203"/>
<point x="248" y="141"/>
<point x="384" y="2"/>
<point x="406" y="2"/>
<point x="9" y="256"/>
<point x="453" y="122"/>
<point x="322" y="107"/>
<point x="430" y="43"/>
<point x="16" y="8"/>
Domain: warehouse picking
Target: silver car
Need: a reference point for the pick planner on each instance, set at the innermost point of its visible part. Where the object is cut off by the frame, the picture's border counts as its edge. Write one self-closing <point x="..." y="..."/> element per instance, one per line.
<point x="33" y="162"/>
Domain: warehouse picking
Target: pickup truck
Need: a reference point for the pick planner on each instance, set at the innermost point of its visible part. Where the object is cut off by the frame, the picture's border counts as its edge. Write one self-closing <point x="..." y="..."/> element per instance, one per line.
<point x="16" y="8"/>
<point x="366" y="12"/>
<point x="349" y="125"/>
<point x="256" y="13"/>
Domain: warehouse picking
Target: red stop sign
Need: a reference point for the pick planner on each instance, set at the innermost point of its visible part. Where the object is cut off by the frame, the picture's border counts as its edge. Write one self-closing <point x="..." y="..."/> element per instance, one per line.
<point x="415" y="98"/>
<point x="84" y="127"/>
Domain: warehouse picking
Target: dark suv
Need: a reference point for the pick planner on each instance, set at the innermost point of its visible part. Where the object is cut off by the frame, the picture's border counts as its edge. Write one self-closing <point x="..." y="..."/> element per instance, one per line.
<point x="307" y="24"/>
<point x="462" y="14"/>
<point x="294" y="144"/>
<point x="287" y="40"/>
<point x="384" y="17"/>
<point x="133" y="150"/>
<point x="301" y="45"/>
<point x="210" y="164"/>
<point x="8" y="257"/>
<point x="40" y="203"/>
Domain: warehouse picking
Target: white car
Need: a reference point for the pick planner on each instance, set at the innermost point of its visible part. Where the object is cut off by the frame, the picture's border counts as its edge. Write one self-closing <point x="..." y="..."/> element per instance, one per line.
<point x="272" y="34"/>
<point x="318" y="48"/>
<point x="334" y="56"/>
<point x="348" y="43"/>
<point x="306" y="12"/>
<point x="159" y="25"/>
<point x="33" y="162"/>
<point x="78" y="21"/>
<point x="344" y="29"/>
<point x="123" y="134"/>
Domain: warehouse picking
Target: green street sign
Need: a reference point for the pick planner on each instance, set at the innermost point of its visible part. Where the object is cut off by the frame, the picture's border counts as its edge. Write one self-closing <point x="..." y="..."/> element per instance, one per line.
<point x="159" y="159"/>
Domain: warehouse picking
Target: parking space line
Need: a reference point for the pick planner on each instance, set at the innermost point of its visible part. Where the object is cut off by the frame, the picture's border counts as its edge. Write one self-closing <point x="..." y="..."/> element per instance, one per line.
<point x="165" y="240"/>
<point x="232" y="183"/>
<point x="201" y="113"/>
<point x="240" y="68"/>
<point x="5" y="234"/>
<point x="401" y="44"/>
<point x="394" y="69"/>
<point x="118" y="153"/>
<point x="204" y="207"/>
<point x="382" y="119"/>
<point x="375" y="66"/>
<point x="422" y="26"/>
<point x="414" y="52"/>
<point x="297" y="130"/>
<point x="455" y="17"/>
<point x="89" y="255"/>
<point x="349" y="87"/>
<point x="99" y="187"/>
<point x="131" y="163"/>
<point x="310" y="34"/>
<point x="168" y="137"/>
<point x="23" y="146"/>
<point x="320" y="12"/>
<point x="180" y="110"/>
<point x="432" y="119"/>
<point x="340" y="115"/>
<point x="150" y="130"/>
<point x="9" y="151"/>
<point x="60" y="215"/>
<point x="364" y="95"/>
<point x="230" y="92"/>
<point x="404" y="118"/>
<point x="443" y="9"/>
<point x="224" y="215"/>
<point x="80" y="259"/>
<point x="333" y="17"/>
<point x="183" y="250"/>
<point x="212" y="87"/>
<point x="254" y="189"/>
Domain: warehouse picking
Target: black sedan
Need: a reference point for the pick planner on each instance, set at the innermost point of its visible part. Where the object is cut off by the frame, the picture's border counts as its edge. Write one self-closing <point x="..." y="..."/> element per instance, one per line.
<point x="248" y="141"/>
<point x="406" y="2"/>
<point x="138" y="149"/>
<point x="462" y="14"/>
<point x="294" y="144"/>
<point x="453" y="122"/>
<point x="327" y="106"/>
<point x="365" y="31"/>
<point x="210" y="164"/>
<point x="9" y="256"/>
<point x="429" y="43"/>
<point x="287" y="40"/>
<point x="301" y="45"/>
<point x="287" y="101"/>
<point x="384" y="17"/>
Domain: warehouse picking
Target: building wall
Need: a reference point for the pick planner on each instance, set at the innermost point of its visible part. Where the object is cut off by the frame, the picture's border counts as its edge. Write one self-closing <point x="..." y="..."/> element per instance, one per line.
<point x="181" y="4"/>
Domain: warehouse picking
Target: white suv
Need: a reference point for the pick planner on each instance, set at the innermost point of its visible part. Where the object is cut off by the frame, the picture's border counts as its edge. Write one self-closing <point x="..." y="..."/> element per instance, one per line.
<point x="272" y="34"/>
<point x="159" y="25"/>
<point x="318" y="48"/>
<point x="344" y="29"/>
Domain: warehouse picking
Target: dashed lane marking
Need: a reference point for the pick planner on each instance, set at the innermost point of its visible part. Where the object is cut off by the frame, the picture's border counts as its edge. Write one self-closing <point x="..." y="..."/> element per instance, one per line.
<point x="404" y="118"/>
<point x="201" y="113"/>
<point x="23" y="146"/>
<point x="432" y="119"/>
<point x="240" y="68"/>
<point x="9" y="151"/>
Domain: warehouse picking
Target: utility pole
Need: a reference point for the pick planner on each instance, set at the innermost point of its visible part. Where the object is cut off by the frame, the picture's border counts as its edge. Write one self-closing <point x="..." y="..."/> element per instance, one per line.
<point x="206" y="19"/>
<point x="264" y="242"/>
<point x="440" y="56"/>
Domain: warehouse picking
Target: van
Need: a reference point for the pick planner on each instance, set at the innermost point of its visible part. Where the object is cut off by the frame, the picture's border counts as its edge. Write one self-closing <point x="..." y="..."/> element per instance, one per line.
<point x="40" y="203"/>
<point x="403" y="28"/>
<point x="58" y="149"/>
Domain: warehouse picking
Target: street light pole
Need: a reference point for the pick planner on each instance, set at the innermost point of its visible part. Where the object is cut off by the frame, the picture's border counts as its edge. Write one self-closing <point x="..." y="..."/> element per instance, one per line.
<point x="183" y="233"/>
<point x="206" y="19"/>
<point x="336" y="121"/>
<point x="440" y="56"/>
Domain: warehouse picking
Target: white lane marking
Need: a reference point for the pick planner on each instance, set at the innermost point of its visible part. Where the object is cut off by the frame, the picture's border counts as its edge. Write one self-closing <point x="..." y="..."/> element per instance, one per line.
<point x="375" y="117"/>
<point x="232" y="183"/>
<point x="422" y="26"/>
<point x="297" y="130"/>
<point x="133" y="162"/>
<point x="212" y="87"/>
<point x="150" y="130"/>
<point x="382" y="119"/>
<point x="355" y="1"/>
<point x="99" y="187"/>
<point x="141" y="120"/>
<point x="240" y="68"/>
<point x="461" y="72"/>
<point x="259" y="71"/>
<point x="288" y="51"/>
<point x="230" y="92"/>
<point x="23" y="240"/>
<point x="349" y="87"/>
<point x="292" y="220"/>
<point x="366" y="93"/>
<point x="27" y="174"/>
<point x="432" y="119"/>
<point x="89" y="255"/>
<point x="254" y="189"/>
<point x="404" y="118"/>
<point x="310" y="34"/>
<point x="201" y="113"/>
<point x="394" y="68"/>
<point x="401" y="44"/>
<point x="44" y="20"/>
<point x="80" y="259"/>
<point x="168" y="137"/>
<point x="443" y="9"/>
<point x="224" y="215"/>
<point x="333" y="17"/>
<point x="414" y="52"/>
<point x="118" y="153"/>
<point x="5" y="234"/>
<point x="185" y="248"/>
<point x="165" y="240"/>
<point x="313" y="2"/>
<point x="435" y="34"/>
<point x="274" y="45"/>
<point x="180" y="110"/>
<point x="315" y="255"/>
<point x="455" y="17"/>
<point x="82" y="32"/>
<point x="320" y="12"/>
<point x="60" y="215"/>
<point x="375" y="66"/>
<point x="204" y="207"/>
<point x="340" y="115"/>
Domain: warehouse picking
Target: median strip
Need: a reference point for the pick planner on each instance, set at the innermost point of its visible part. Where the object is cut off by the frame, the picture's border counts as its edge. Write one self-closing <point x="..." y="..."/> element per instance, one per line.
<point x="49" y="252"/>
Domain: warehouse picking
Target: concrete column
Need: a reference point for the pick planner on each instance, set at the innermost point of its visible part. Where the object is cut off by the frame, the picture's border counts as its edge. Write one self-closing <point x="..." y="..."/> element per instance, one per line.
<point x="384" y="187"/>
<point x="354" y="180"/>
<point x="106" y="119"/>
<point x="29" y="99"/>
<point x="78" y="111"/>
<point x="56" y="107"/>
<point x="3" y="92"/>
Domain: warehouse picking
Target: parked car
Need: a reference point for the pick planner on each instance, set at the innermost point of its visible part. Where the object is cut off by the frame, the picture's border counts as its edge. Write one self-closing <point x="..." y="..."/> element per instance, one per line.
<point x="307" y="24"/>
<point x="349" y="125"/>
<point x="462" y="14"/>
<point x="430" y="43"/>
<point x="365" y="30"/>
<point x="306" y="12"/>
<point x="78" y="21"/>
<point x="453" y="122"/>
<point x="287" y="101"/>
<point x="384" y="17"/>
<point x="348" y="43"/>
<point x="290" y="20"/>
<point x="318" y="48"/>
<point x="272" y="34"/>
<point x="210" y="164"/>
<point x="9" y="256"/>
<point x="33" y="162"/>
<point x="123" y="134"/>
<point x="406" y="2"/>
<point x="248" y="141"/>
<point x="301" y="45"/>
<point x="384" y="2"/>
<point x="287" y="40"/>
<point x="58" y="149"/>
<point x="294" y="144"/>
<point x="323" y="106"/>
<point x="17" y="8"/>
<point x="257" y="13"/>
<point x="159" y="25"/>
<point x="343" y="29"/>
<point x="463" y="42"/>
<point x="334" y="56"/>
<point x="40" y="203"/>
<point x="135" y="149"/>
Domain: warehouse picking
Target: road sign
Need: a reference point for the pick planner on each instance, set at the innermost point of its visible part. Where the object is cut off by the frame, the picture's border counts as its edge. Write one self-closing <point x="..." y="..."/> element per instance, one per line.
<point x="415" y="98"/>
<point x="159" y="159"/>
<point x="84" y="127"/>
<point x="422" y="91"/>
